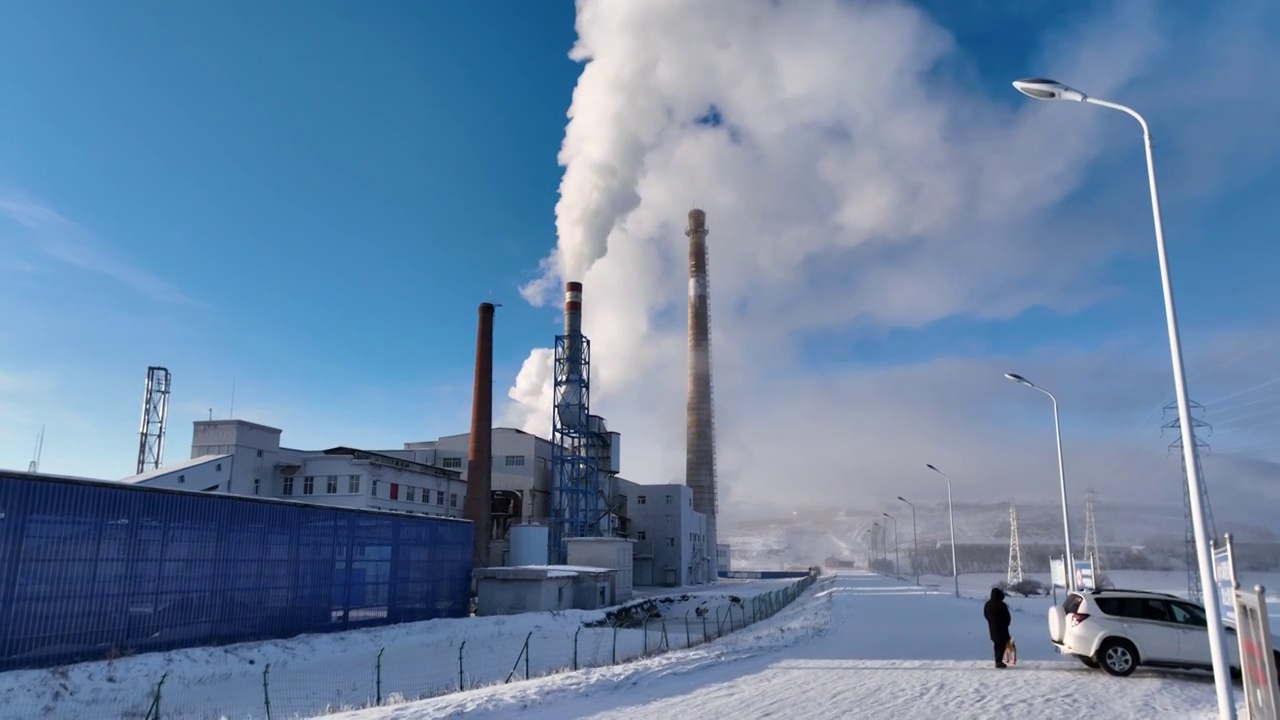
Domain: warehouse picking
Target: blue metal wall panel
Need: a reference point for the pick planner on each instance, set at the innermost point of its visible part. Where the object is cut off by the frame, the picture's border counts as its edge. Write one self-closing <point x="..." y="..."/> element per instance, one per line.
<point x="91" y="570"/>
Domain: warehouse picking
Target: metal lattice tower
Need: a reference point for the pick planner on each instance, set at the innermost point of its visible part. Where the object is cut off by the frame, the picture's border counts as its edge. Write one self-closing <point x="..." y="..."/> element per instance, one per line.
<point x="1194" y="590"/>
<point x="576" y="492"/>
<point x="1091" y="550"/>
<point x="34" y="466"/>
<point x="700" y="430"/>
<point x="1015" y="548"/>
<point x="155" y="415"/>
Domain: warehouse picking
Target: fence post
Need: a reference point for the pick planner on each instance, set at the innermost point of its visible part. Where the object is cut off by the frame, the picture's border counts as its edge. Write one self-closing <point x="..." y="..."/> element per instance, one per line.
<point x="704" y="627"/>
<point x="266" y="693"/>
<point x="377" y="668"/>
<point x="575" y="647"/>
<point x="153" y="713"/>
<point x="688" y="634"/>
<point x="524" y="654"/>
<point x="646" y="638"/>
<point x="666" y="642"/>
<point x="615" y="644"/>
<point x="461" y="683"/>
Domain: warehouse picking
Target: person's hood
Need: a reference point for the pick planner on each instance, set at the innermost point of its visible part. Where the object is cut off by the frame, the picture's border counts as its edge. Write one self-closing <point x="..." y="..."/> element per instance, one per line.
<point x="997" y="594"/>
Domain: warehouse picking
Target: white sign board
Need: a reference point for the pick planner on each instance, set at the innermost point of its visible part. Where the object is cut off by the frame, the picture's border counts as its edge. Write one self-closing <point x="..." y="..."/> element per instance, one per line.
<point x="1257" y="655"/>
<point x="1058" y="572"/>
<point x="1084" y="574"/>
<point x="1224" y="578"/>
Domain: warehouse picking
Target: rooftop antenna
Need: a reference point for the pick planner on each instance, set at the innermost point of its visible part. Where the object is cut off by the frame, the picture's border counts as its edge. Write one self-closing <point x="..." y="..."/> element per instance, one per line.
<point x="232" y="411"/>
<point x="34" y="467"/>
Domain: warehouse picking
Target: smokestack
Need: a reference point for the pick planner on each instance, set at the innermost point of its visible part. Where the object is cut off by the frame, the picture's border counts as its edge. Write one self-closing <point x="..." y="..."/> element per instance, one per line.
<point x="700" y="441"/>
<point x="475" y="506"/>
<point x="573" y="308"/>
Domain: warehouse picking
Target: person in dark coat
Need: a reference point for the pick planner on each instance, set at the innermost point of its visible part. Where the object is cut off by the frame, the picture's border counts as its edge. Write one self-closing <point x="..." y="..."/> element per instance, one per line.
<point x="998" y="621"/>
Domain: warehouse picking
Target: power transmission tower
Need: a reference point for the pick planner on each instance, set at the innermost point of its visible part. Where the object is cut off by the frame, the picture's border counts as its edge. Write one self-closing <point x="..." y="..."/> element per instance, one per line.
<point x="1015" y="549"/>
<point x="1091" y="550"/>
<point x="1193" y="575"/>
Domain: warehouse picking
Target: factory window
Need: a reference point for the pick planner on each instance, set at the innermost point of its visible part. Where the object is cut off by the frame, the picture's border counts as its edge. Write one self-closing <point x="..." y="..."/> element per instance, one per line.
<point x="217" y="467"/>
<point x="331" y="484"/>
<point x="375" y="488"/>
<point x="670" y="519"/>
<point x="353" y="483"/>
<point x="259" y="453"/>
<point x="182" y="478"/>
<point x="257" y="485"/>
<point x="308" y="484"/>
<point x="453" y="500"/>
<point x="542" y="463"/>
<point x="515" y="460"/>
<point x="671" y="542"/>
<point x="395" y="491"/>
<point x="440" y="498"/>
<point x="690" y="502"/>
<point x="640" y="500"/>
<point x="452" y="462"/>
<point x="641" y="535"/>
<point x="670" y="499"/>
<point x="410" y="494"/>
<point x="288" y="486"/>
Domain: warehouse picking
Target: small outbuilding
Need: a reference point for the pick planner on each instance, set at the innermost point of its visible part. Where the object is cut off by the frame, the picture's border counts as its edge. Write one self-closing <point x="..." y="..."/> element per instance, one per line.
<point x="541" y="588"/>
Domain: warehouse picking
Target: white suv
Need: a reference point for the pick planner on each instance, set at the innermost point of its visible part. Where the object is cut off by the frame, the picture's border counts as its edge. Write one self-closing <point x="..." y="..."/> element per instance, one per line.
<point x="1118" y="630"/>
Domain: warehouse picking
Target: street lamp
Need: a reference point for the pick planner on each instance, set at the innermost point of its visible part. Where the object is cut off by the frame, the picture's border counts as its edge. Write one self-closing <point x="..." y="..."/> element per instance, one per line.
<point x="915" y="542"/>
<point x="880" y="535"/>
<point x="1043" y="89"/>
<point x="955" y="572"/>
<point x="897" y="570"/>
<point x="1062" y="475"/>
<point x="870" y="539"/>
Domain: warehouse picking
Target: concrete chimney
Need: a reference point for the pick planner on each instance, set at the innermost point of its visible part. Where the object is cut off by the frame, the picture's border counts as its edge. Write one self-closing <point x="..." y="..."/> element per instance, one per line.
<point x="476" y="507"/>
<point x="700" y="441"/>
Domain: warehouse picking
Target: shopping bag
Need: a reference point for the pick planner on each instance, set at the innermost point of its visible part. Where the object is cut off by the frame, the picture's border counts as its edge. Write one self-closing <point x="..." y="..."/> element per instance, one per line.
<point x="1011" y="653"/>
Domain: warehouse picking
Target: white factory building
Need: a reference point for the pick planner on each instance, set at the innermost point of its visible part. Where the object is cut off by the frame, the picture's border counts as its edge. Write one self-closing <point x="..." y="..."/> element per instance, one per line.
<point x="429" y="478"/>
<point x="244" y="458"/>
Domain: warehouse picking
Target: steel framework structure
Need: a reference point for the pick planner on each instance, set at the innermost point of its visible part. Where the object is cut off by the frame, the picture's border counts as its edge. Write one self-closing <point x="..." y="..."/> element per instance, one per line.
<point x="576" y="457"/>
<point x="155" y="415"/>
<point x="1194" y="590"/>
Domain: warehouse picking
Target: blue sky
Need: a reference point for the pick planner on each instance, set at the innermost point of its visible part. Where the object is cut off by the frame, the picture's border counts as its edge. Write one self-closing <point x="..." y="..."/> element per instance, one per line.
<point x="310" y="199"/>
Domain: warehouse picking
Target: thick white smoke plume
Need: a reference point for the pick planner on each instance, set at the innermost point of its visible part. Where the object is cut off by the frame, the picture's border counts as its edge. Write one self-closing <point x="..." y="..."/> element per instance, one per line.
<point x="857" y="176"/>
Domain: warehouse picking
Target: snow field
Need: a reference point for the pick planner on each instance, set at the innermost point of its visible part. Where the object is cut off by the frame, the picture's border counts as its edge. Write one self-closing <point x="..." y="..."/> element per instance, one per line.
<point x="855" y="645"/>
<point x="314" y="674"/>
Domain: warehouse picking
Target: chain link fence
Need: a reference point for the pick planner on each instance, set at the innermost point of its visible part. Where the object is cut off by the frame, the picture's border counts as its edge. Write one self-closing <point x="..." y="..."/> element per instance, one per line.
<point x="514" y="648"/>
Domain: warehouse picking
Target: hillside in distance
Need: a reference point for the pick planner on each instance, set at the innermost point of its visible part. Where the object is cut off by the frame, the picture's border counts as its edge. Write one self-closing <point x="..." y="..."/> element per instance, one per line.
<point x="766" y="538"/>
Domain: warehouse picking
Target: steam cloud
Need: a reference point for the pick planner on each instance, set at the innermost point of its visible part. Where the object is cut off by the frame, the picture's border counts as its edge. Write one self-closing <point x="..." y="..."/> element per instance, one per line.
<point x="857" y="177"/>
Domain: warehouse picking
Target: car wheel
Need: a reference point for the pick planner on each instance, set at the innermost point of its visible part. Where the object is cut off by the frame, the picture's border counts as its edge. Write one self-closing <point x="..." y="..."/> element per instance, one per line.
<point x="1118" y="657"/>
<point x="1089" y="662"/>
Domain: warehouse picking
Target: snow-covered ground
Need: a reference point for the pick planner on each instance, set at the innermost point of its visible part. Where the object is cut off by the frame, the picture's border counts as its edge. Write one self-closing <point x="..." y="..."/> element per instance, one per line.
<point x="855" y="645"/>
<point x="312" y="674"/>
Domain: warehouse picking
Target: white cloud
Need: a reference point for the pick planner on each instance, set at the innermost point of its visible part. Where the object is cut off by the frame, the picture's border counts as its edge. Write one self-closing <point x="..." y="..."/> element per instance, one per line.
<point x="66" y="241"/>
<point x="853" y="181"/>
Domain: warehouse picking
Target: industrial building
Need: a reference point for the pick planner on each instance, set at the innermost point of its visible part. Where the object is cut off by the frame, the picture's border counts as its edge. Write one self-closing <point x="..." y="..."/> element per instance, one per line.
<point x="242" y="458"/>
<point x="97" y="569"/>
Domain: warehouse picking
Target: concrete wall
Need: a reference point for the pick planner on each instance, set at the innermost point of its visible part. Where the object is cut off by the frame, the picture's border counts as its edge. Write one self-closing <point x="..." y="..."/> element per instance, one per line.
<point x="612" y="553"/>
<point x="504" y="596"/>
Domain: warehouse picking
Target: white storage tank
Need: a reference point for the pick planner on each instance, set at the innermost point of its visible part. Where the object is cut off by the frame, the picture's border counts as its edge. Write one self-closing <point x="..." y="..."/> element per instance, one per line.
<point x="529" y="544"/>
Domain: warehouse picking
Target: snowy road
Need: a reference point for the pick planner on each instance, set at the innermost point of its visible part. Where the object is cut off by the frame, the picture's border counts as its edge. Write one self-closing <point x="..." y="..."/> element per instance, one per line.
<point x="858" y="646"/>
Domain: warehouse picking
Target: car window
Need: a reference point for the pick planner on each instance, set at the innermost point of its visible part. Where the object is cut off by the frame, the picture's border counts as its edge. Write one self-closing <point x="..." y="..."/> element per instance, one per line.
<point x="1109" y="606"/>
<point x="1072" y="603"/>
<point x="1156" y="610"/>
<point x="1187" y="614"/>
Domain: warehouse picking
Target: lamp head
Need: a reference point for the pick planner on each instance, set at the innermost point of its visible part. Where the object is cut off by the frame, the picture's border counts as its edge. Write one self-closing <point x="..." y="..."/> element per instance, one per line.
<point x="1046" y="89"/>
<point x="932" y="468"/>
<point x="1019" y="379"/>
<point x="902" y="498"/>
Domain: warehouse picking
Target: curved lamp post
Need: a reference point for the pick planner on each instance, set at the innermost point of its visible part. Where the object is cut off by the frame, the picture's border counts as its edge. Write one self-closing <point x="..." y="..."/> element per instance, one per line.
<point x="955" y="571"/>
<point x="1062" y="475"/>
<point x="1045" y="89"/>
<point x="915" y="542"/>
